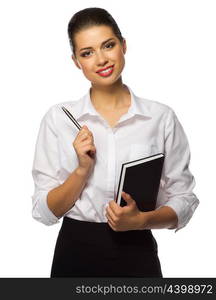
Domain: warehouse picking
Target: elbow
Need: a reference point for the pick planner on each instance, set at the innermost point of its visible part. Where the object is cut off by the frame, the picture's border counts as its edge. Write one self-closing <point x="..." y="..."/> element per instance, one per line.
<point x="42" y="219"/>
<point x="184" y="208"/>
<point x="42" y="214"/>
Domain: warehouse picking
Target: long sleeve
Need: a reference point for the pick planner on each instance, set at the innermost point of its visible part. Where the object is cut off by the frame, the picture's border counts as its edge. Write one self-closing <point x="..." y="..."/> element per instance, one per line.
<point x="179" y="182"/>
<point x="45" y="170"/>
<point x="149" y="125"/>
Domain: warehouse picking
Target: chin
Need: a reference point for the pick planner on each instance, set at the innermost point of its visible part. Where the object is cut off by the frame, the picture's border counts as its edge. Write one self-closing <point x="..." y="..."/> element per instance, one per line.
<point x="104" y="84"/>
<point x="106" y="81"/>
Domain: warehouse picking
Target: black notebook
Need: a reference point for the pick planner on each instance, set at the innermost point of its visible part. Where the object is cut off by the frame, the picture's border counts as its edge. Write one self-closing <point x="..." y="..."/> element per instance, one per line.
<point x="141" y="179"/>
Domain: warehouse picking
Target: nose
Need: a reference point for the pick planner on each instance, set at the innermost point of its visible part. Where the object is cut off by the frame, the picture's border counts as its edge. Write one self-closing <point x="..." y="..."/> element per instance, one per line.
<point x="101" y="59"/>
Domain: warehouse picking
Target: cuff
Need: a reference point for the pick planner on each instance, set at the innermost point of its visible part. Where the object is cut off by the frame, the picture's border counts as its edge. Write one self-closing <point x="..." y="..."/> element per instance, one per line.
<point x="184" y="208"/>
<point x="41" y="211"/>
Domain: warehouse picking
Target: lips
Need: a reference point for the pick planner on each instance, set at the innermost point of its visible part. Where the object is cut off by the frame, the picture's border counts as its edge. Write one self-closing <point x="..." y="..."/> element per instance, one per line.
<point x="106" y="71"/>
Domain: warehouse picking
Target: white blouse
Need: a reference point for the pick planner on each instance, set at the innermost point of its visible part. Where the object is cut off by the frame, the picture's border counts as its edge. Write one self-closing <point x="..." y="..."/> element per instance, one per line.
<point x="149" y="127"/>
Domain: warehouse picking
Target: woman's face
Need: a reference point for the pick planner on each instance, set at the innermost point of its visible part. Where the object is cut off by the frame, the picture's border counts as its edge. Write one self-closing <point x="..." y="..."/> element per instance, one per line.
<point x="99" y="54"/>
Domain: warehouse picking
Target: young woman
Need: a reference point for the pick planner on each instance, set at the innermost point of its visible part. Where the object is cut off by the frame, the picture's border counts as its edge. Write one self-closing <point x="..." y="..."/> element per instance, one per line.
<point x="76" y="173"/>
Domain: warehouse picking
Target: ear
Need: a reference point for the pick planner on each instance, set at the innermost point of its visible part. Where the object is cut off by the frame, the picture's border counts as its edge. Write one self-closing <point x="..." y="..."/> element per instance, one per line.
<point x="124" y="46"/>
<point x="76" y="62"/>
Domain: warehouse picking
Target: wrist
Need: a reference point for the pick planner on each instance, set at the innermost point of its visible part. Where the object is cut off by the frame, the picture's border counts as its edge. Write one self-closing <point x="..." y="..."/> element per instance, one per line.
<point x="145" y="220"/>
<point x="163" y="217"/>
<point x="82" y="172"/>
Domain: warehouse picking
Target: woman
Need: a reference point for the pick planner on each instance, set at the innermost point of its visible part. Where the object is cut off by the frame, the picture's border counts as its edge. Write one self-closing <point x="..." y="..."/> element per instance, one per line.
<point x="76" y="172"/>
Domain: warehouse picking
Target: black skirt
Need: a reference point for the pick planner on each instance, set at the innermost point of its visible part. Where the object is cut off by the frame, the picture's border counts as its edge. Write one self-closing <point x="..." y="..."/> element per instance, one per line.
<point x="90" y="249"/>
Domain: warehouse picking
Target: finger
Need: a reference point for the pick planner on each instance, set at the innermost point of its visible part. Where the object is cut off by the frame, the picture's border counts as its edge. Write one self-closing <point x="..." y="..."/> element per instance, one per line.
<point x="110" y="215"/>
<point x="88" y="148"/>
<point x="83" y="137"/>
<point x="116" y="209"/>
<point x="111" y="225"/>
<point x="85" y="142"/>
<point x="85" y="129"/>
<point x="127" y="197"/>
<point x="79" y="138"/>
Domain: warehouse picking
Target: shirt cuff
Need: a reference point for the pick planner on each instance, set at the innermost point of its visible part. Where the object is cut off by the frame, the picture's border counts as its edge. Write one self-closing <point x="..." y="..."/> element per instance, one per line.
<point x="41" y="211"/>
<point x="184" y="207"/>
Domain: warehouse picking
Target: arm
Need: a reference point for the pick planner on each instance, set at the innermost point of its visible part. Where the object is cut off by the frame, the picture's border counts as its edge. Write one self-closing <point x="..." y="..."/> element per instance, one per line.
<point x="164" y="217"/>
<point x="63" y="197"/>
<point x="130" y="217"/>
<point x="176" y="201"/>
<point x="51" y="199"/>
<point x="176" y="191"/>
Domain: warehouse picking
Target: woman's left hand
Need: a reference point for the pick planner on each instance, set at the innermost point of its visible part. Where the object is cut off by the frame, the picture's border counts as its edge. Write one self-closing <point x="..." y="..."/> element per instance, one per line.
<point x="125" y="218"/>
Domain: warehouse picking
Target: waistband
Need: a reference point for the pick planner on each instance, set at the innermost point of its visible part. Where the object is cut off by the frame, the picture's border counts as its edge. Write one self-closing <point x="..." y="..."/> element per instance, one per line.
<point x="104" y="233"/>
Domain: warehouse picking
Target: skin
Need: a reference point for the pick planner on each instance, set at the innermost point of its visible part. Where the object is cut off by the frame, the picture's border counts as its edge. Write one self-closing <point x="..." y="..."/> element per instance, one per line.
<point x="98" y="56"/>
<point x="111" y="99"/>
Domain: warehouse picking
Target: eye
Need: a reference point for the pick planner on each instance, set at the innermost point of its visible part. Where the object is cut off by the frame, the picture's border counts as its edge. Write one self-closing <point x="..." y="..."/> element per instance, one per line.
<point x="85" y="54"/>
<point x="110" y="45"/>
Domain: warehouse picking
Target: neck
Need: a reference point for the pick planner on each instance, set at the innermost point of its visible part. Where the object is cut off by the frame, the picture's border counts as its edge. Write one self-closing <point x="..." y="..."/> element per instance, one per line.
<point x="110" y="97"/>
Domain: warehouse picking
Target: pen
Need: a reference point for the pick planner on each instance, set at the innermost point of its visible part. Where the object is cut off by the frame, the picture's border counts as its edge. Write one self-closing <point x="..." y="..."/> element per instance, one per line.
<point x="76" y="124"/>
<point x="71" y="117"/>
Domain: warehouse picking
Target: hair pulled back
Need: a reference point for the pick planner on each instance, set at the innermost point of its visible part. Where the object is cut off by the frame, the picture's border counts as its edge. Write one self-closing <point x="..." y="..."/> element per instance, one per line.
<point x="88" y="17"/>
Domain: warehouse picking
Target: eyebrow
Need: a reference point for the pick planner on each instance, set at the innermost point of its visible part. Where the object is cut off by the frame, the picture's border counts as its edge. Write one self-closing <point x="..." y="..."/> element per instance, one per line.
<point x="86" y="48"/>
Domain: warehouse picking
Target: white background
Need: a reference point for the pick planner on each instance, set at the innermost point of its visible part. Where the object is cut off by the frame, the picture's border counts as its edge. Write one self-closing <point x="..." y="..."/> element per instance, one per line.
<point x="170" y="58"/>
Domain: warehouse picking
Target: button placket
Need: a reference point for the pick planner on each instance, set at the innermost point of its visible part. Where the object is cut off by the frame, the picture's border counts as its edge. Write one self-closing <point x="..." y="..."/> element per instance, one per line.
<point x="111" y="164"/>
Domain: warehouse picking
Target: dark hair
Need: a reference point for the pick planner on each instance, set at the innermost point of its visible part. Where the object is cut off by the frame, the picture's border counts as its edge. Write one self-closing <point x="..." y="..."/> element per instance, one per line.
<point x="89" y="17"/>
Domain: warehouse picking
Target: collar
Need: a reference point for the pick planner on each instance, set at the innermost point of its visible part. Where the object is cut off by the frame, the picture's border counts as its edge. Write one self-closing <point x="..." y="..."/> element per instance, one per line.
<point x="84" y="106"/>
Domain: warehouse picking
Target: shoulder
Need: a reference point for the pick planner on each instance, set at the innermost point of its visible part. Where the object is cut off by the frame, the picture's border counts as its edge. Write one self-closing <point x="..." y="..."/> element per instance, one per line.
<point x="156" y="108"/>
<point x="55" y="111"/>
<point x="55" y="108"/>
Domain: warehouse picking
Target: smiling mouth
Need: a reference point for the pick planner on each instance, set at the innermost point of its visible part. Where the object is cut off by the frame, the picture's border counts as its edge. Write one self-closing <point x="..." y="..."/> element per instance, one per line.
<point x="107" y="72"/>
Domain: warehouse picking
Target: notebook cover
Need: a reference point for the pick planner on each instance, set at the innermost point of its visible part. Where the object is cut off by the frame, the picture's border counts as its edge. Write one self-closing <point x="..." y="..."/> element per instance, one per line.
<point x="142" y="182"/>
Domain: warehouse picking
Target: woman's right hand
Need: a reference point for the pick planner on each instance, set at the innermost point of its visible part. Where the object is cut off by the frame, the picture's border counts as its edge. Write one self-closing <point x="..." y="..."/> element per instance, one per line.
<point x="85" y="150"/>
